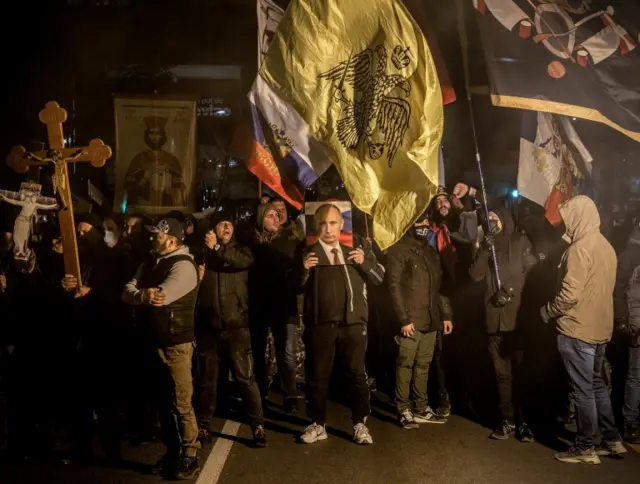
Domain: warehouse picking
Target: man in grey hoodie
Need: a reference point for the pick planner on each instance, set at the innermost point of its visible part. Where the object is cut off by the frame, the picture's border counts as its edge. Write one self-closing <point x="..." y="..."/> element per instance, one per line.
<point x="164" y="291"/>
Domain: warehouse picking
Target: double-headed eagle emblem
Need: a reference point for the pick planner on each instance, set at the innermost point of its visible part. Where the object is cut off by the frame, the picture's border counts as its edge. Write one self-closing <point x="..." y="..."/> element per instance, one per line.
<point x="376" y="101"/>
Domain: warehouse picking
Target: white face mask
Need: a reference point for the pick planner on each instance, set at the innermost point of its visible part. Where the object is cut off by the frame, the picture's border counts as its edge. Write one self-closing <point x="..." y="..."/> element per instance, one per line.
<point x="109" y="238"/>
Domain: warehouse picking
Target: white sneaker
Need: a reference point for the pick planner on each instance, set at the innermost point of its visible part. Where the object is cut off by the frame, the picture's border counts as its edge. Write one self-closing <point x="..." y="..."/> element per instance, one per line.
<point x="361" y="434"/>
<point x="313" y="433"/>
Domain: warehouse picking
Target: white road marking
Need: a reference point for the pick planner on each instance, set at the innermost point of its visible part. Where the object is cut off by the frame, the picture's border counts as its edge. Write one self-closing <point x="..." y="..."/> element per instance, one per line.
<point x="212" y="468"/>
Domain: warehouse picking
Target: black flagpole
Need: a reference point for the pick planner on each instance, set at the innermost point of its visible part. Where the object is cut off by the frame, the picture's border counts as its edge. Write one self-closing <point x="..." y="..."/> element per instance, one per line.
<point x="462" y="30"/>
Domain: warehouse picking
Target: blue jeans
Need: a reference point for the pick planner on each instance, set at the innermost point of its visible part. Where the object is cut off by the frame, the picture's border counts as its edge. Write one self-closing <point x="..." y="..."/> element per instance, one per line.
<point x="584" y="364"/>
<point x="630" y="411"/>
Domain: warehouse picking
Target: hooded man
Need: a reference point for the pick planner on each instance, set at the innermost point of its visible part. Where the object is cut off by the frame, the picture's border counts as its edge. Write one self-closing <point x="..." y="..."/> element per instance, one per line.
<point x="223" y="325"/>
<point x="164" y="292"/>
<point x="514" y="258"/>
<point x="274" y="300"/>
<point x="583" y="310"/>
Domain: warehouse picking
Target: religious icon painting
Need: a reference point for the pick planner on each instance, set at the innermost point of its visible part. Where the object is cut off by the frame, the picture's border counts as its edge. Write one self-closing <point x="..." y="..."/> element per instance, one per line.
<point x="327" y="224"/>
<point x="155" y="155"/>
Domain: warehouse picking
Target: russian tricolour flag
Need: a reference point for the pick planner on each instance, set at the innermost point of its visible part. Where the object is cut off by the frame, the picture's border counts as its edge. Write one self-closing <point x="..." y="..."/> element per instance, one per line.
<point x="285" y="157"/>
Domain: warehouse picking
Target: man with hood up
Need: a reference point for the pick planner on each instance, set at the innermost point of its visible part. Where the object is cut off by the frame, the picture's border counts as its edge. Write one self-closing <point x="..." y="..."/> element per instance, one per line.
<point x="583" y="310"/>
<point x="274" y="300"/>
<point x="503" y="320"/>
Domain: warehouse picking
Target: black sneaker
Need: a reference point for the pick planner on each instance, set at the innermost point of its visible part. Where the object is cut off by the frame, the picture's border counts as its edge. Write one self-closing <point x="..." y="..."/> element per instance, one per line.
<point x="187" y="468"/>
<point x="503" y="431"/>
<point x="407" y="421"/>
<point x="525" y="434"/>
<point x="291" y="405"/>
<point x="578" y="456"/>
<point x="259" y="437"/>
<point x="443" y="411"/>
<point x="428" y="416"/>
<point x="632" y="435"/>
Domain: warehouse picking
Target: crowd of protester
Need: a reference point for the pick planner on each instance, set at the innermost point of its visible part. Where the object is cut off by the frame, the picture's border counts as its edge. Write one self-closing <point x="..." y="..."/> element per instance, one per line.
<point x="174" y="315"/>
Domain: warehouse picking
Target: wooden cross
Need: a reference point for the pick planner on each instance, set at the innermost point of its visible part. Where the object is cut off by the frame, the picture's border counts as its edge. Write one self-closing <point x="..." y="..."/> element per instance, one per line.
<point x="97" y="153"/>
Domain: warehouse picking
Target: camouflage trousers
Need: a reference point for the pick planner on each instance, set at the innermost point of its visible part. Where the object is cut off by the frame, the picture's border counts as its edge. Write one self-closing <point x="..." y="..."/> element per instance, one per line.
<point x="271" y="359"/>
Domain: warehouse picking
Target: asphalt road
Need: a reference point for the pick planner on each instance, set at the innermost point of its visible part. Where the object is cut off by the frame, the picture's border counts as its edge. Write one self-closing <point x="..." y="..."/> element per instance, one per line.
<point x="457" y="452"/>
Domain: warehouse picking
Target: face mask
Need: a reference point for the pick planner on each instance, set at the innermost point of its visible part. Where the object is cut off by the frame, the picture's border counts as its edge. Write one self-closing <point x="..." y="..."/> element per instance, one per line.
<point x="109" y="238"/>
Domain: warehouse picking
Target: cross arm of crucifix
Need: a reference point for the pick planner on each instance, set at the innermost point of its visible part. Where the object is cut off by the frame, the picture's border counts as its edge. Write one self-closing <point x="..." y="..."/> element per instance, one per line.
<point x="97" y="153"/>
<point x="11" y="197"/>
<point x="46" y="203"/>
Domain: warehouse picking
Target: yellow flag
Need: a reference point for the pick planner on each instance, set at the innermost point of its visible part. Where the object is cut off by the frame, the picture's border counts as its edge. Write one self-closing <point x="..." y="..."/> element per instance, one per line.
<point x="360" y="74"/>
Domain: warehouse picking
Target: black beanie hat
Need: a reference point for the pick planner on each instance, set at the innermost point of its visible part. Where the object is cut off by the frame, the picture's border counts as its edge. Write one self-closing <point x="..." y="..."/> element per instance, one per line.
<point x="92" y="219"/>
<point x="221" y="216"/>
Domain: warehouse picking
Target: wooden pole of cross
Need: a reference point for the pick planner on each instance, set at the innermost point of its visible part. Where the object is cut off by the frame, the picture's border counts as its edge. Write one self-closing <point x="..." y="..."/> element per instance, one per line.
<point x="97" y="153"/>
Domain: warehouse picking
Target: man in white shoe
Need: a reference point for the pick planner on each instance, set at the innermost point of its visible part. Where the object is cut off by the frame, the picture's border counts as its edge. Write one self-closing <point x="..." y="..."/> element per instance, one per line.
<point x="333" y="277"/>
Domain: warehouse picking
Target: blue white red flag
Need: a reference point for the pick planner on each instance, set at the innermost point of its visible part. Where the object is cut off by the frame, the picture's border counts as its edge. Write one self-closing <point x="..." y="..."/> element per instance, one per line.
<point x="285" y="157"/>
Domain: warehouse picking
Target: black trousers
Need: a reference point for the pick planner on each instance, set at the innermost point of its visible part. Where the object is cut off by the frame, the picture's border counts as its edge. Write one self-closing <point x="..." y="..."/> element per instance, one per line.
<point x="438" y="372"/>
<point x="507" y="354"/>
<point x="213" y="348"/>
<point x="350" y="342"/>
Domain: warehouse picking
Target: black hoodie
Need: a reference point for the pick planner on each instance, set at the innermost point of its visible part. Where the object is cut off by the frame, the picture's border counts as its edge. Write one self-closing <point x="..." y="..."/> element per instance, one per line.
<point x="515" y="258"/>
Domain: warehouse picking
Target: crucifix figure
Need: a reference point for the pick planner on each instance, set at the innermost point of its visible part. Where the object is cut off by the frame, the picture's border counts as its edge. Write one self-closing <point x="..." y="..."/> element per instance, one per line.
<point x="97" y="153"/>
<point x="30" y="200"/>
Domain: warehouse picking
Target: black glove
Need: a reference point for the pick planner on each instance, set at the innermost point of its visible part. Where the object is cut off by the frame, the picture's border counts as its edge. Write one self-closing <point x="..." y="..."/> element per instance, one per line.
<point x="630" y="333"/>
<point x="544" y="314"/>
<point x="488" y="241"/>
<point x="503" y="296"/>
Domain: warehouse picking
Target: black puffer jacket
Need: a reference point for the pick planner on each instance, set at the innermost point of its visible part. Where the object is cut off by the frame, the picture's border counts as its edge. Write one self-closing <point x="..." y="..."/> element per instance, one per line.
<point x="414" y="276"/>
<point x="515" y="259"/>
<point x="224" y="293"/>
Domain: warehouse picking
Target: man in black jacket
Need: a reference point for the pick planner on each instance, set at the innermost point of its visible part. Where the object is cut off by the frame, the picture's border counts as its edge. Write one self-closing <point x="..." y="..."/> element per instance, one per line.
<point x="503" y="316"/>
<point x="91" y="328"/>
<point x="164" y="291"/>
<point x="333" y="277"/>
<point x="223" y="325"/>
<point x="415" y="276"/>
<point x="274" y="301"/>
